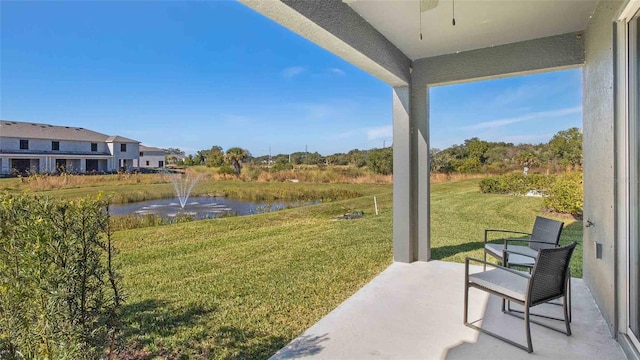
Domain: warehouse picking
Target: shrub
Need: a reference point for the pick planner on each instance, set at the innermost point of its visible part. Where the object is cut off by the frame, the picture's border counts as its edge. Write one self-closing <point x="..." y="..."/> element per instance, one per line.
<point x="282" y="166"/>
<point x="493" y="185"/>
<point x="518" y="184"/>
<point x="60" y="293"/>
<point x="470" y="166"/>
<point x="380" y="161"/>
<point x="251" y="173"/>
<point x="226" y="169"/>
<point x="563" y="193"/>
<point x="566" y="195"/>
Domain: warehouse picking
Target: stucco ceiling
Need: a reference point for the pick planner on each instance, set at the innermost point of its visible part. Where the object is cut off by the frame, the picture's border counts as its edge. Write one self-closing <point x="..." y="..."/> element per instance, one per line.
<point x="479" y="23"/>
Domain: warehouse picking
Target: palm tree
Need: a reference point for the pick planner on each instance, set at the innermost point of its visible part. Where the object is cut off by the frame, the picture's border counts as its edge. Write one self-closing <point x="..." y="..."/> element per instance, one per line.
<point x="234" y="157"/>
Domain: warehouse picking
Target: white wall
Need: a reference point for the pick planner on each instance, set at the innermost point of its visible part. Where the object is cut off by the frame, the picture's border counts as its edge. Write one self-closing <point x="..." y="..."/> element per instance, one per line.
<point x="44" y="145"/>
<point x="45" y="157"/>
<point x="153" y="157"/>
<point x="132" y="154"/>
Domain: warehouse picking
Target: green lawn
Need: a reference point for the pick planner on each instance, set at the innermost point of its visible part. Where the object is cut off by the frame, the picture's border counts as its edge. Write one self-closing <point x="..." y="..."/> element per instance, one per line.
<point x="243" y="287"/>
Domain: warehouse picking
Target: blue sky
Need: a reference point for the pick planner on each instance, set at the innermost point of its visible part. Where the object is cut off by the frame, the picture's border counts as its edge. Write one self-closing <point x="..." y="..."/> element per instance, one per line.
<point x="196" y="74"/>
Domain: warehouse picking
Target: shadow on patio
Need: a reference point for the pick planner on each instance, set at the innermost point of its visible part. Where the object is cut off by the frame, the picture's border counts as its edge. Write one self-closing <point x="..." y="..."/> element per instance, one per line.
<point x="414" y="311"/>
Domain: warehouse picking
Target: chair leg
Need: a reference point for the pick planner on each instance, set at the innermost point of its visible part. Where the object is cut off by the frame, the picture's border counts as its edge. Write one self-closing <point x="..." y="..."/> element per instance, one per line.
<point x="466" y="292"/>
<point x="567" y="318"/>
<point x="484" y="265"/>
<point x="569" y="295"/>
<point x="527" y="325"/>
<point x="466" y="303"/>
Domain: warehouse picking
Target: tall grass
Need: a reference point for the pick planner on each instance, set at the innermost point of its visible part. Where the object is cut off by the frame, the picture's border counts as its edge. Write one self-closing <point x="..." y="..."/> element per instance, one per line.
<point x="128" y="222"/>
<point x="253" y="191"/>
<point x="291" y="193"/>
<point x="333" y="174"/>
<point x="303" y="174"/>
<point x="44" y="182"/>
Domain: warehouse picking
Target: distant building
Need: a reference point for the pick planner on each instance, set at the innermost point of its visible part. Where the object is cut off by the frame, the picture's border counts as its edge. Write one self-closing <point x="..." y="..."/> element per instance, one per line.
<point x="42" y="148"/>
<point x="175" y="159"/>
<point x="151" y="157"/>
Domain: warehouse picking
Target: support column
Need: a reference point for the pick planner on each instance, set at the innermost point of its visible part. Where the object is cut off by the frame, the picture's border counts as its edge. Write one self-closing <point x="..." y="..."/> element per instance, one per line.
<point x="4" y="165"/>
<point x="419" y="100"/>
<point x="403" y="239"/>
<point x="410" y="175"/>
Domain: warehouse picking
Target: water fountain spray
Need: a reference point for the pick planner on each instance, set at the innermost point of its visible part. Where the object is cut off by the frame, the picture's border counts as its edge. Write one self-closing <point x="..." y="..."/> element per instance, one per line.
<point x="183" y="184"/>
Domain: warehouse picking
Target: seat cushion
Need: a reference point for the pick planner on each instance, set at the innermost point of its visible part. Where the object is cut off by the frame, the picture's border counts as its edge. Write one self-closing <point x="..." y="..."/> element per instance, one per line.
<point x="502" y="281"/>
<point x="514" y="259"/>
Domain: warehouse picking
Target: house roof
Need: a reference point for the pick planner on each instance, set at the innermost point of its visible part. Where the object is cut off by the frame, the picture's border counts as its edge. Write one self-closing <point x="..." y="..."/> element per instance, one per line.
<point x="18" y="129"/>
<point x="144" y="148"/>
<point x="118" y="138"/>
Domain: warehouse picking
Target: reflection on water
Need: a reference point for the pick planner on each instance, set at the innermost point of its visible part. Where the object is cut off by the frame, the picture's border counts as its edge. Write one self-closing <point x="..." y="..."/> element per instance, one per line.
<point x="198" y="207"/>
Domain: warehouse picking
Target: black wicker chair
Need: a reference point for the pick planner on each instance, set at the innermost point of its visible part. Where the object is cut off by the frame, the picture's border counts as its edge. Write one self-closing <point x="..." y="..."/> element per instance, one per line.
<point x="548" y="281"/>
<point x="545" y="235"/>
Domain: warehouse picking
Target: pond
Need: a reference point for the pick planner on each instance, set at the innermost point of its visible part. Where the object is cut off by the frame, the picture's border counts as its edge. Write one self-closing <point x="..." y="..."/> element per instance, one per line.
<point x="200" y="207"/>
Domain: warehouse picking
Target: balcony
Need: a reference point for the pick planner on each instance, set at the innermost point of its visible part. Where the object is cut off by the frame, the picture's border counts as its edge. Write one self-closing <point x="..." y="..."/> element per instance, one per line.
<point x="414" y="311"/>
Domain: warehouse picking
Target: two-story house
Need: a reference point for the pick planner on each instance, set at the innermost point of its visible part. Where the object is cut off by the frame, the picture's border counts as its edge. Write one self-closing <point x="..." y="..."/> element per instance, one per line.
<point x="151" y="157"/>
<point x="43" y="148"/>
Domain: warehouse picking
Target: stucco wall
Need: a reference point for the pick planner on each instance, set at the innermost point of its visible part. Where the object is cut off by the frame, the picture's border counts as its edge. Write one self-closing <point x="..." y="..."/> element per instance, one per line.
<point x="599" y="158"/>
<point x="44" y="145"/>
<point x="153" y="158"/>
<point x="132" y="153"/>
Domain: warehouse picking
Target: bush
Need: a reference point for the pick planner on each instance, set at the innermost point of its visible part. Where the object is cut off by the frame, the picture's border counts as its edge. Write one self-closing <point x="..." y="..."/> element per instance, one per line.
<point x="60" y="293"/>
<point x="282" y="166"/>
<point x="563" y="193"/>
<point x="566" y="195"/>
<point x="226" y="169"/>
<point x="493" y="185"/>
<point x="518" y="184"/>
<point x="251" y="173"/>
<point x="380" y="161"/>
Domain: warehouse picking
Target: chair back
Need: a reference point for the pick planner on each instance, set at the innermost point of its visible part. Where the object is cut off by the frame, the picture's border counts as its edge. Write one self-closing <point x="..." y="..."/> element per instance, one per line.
<point x="545" y="230"/>
<point x="549" y="276"/>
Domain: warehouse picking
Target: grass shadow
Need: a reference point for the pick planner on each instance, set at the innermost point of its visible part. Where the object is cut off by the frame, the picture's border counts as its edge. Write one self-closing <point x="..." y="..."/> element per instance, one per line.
<point x="571" y="232"/>
<point x="146" y="321"/>
<point x="158" y="318"/>
<point x="245" y="344"/>
<point x="441" y="252"/>
<point x="149" y="327"/>
<point x="303" y="346"/>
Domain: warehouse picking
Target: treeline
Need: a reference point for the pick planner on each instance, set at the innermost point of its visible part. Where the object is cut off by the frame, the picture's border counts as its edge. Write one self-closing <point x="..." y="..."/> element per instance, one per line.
<point x="379" y="160"/>
<point x="478" y="156"/>
<point x="229" y="162"/>
<point x="473" y="156"/>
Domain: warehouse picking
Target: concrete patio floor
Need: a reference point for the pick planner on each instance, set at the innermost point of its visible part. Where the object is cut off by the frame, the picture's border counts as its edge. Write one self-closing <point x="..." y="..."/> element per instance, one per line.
<point x="414" y="311"/>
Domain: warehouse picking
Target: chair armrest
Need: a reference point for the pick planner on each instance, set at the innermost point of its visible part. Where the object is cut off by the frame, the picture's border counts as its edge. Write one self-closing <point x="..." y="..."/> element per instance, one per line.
<point x="487" y="231"/>
<point x="518" y="252"/>
<point x="529" y="241"/>
<point x="533" y="241"/>
<point x="466" y="264"/>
